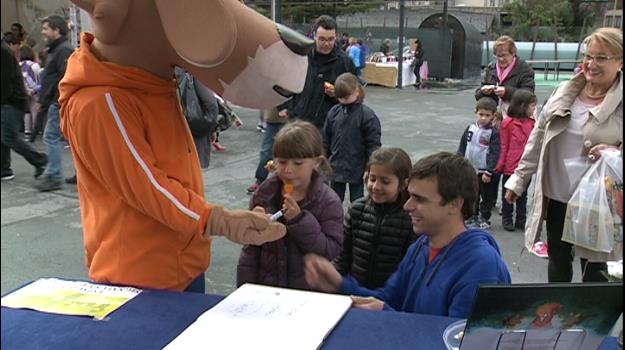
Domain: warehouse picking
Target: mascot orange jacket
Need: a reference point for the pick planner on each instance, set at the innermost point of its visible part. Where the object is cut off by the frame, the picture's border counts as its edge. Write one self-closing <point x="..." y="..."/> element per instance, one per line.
<point x="150" y="211"/>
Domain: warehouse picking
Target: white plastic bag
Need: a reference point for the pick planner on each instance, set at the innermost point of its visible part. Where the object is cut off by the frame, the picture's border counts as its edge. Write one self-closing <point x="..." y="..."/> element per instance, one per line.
<point x="593" y="220"/>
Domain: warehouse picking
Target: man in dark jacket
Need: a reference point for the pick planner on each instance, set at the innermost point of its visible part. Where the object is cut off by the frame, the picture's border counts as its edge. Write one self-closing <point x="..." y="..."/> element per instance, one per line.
<point x="325" y="63"/>
<point x="14" y="99"/>
<point x="54" y="30"/>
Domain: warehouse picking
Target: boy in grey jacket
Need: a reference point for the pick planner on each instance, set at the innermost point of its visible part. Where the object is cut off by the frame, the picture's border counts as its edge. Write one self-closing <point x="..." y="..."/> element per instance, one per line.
<point x="480" y="145"/>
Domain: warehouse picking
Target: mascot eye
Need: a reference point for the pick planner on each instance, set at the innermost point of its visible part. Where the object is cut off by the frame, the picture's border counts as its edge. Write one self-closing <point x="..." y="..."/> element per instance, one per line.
<point x="282" y="92"/>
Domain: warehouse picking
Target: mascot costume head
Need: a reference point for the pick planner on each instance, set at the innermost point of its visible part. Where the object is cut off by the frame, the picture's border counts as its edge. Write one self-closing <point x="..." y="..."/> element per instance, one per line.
<point x="145" y="220"/>
<point x="244" y="57"/>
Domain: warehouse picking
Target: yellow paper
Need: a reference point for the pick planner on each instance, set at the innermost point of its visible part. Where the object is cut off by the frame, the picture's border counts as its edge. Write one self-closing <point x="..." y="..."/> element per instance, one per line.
<point x="70" y="297"/>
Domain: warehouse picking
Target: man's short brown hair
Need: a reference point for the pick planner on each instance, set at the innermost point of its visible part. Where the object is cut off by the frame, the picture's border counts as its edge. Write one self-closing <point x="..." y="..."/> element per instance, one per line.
<point x="454" y="175"/>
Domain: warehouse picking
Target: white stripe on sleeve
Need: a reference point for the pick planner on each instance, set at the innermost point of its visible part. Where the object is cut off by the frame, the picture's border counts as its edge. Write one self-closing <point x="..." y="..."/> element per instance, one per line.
<point x="193" y="215"/>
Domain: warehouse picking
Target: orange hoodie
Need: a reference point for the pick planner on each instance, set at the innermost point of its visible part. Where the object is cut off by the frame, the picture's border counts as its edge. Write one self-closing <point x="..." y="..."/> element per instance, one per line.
<point x="139" y="181"/>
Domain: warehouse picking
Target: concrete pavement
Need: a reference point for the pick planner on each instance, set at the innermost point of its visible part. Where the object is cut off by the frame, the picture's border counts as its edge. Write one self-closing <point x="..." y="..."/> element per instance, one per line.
<point x="41" y="232"/>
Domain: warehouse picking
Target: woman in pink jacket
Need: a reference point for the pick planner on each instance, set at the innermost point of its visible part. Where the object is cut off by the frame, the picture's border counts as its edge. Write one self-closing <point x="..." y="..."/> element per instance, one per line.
<point x="514" y="133"/>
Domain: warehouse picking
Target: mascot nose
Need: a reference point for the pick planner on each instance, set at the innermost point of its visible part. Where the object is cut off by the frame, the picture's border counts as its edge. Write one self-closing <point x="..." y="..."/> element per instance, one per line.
<point x="295" y="41"/>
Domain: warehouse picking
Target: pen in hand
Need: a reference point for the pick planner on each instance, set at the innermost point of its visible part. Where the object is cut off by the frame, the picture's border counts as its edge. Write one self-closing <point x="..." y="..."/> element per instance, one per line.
<point x="277" y="215"/>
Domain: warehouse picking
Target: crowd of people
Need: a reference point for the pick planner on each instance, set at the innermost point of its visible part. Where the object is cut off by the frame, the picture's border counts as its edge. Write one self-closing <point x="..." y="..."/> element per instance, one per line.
<point x="418" y="240"/>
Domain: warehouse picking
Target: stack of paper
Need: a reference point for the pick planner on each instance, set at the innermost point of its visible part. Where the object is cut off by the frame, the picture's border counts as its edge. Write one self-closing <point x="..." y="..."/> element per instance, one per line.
<point x="262" y="317"/>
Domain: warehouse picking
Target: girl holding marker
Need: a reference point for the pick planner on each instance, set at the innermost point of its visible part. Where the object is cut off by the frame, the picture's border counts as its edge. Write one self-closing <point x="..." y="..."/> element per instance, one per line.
<point x="311" y="211"/>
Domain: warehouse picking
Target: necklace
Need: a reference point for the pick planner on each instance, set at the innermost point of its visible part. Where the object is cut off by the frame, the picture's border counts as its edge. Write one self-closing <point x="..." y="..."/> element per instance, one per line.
<point x="594" y="97"/>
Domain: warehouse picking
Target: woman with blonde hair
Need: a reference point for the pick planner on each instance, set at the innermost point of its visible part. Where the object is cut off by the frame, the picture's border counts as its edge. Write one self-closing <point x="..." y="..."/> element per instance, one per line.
<point x="583" y="117"/>
<point x="508" y="73"/>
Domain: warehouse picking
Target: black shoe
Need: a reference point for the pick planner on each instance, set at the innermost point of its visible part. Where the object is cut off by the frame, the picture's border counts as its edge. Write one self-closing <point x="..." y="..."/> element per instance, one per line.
<point x="7" y="175"/>
<point x="48" y="184"/>
<point x="39" y="169"/>
<point x="507" y="224"/>
<point x="71" y="180"/>
<point x="520" y="224"/>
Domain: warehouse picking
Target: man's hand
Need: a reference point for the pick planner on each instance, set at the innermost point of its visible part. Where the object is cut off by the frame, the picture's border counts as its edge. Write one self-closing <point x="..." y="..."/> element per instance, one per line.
<point x="283" y="113"/>
<point x="244" y="227"/>
<point x="321" y="274"/>
<point x="367" y="303"/>
<point x="328" y="88"/>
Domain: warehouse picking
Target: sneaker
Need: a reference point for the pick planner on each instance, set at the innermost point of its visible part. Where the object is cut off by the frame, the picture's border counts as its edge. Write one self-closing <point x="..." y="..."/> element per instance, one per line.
<point x="471" y="222"/>
<point x="252" y="188"/>
<point x="71" y="180"/>
<point x="260" y="127"/>
<point x="47" y="185"/>
<point x="484" y="224"/>
<point x="8" y="176"/>
<point x="540" y="249"/>
<point x="218" y="147"/>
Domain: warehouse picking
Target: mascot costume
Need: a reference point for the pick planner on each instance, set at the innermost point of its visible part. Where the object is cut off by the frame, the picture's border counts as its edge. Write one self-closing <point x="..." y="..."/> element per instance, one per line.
<point x="145" y="220"/>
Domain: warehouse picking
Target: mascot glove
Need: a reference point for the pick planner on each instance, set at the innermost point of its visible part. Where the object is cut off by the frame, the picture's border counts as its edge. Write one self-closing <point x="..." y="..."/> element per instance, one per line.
<point x="243" y="227"/>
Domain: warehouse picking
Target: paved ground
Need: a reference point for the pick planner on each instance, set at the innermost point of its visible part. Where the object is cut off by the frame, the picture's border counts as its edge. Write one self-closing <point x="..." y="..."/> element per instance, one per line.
<point x="41" y="232"/>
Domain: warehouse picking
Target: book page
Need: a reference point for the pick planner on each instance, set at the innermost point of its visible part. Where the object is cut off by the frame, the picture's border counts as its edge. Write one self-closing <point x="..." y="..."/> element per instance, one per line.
<point x="262" y="317"/>
<point x="70" y="297"/>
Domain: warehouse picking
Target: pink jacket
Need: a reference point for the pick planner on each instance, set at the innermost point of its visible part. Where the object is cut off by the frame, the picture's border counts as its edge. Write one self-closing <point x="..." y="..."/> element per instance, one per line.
<point x="514" y="134"/>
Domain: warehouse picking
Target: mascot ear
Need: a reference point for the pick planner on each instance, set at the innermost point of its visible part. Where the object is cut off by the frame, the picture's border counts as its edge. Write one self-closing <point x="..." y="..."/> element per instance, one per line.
<point x="108" y="17"/>
<point x="193" y="25"/>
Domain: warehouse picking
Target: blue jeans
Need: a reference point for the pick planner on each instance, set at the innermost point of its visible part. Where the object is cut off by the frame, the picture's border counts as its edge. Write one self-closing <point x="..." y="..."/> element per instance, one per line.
<point x="266" y="150"/>
<point x="52" y="139"/>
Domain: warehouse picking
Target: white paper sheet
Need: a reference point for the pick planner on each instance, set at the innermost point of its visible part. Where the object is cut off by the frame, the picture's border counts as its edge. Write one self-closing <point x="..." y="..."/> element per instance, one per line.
<point x="262" y="317"/>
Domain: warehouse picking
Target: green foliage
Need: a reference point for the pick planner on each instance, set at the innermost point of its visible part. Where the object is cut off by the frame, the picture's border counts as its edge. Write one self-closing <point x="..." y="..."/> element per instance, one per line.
<point x="544" y="14"/>
<point x="300" y="11"/>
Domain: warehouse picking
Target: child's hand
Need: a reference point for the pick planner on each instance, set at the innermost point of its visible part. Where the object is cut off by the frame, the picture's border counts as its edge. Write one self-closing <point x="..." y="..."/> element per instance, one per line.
<point x="290" y="206"/>
<point x="486" y="178"/>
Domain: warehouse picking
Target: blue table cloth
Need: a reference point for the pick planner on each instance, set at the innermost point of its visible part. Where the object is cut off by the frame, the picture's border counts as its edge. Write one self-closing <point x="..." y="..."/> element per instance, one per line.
<point x="154" y="318"/>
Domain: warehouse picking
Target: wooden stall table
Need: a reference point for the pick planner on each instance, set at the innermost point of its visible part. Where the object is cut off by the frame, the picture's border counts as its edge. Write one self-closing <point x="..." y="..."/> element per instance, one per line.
<point x="385" y="74"/>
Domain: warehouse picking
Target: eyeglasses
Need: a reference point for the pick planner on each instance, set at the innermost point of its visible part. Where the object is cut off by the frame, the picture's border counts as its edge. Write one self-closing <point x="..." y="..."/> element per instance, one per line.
<point x="502" y="56"/>
<point x="599" y="59"/>
<point x="326" y="40"/>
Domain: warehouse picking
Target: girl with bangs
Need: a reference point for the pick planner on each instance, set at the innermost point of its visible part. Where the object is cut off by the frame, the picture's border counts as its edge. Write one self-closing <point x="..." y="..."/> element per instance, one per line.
<point x="310" y="209"/>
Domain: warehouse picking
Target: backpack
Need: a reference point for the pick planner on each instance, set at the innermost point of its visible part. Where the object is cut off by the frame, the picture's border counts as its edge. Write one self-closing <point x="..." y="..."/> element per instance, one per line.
<point x="200" y="122"/>
<point x="31" y="79"/>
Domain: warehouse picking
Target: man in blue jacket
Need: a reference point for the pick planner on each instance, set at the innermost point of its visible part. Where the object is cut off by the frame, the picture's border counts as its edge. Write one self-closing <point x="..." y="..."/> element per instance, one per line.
<point x="442" y="270"/>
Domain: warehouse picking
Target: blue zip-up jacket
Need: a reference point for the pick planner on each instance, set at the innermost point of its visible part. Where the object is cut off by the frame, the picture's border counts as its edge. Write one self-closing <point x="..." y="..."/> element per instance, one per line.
<point x="447" y="286"/>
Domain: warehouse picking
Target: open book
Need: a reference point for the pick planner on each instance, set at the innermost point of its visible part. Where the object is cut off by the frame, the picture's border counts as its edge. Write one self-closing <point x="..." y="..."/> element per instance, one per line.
<point x="262" y="317"/>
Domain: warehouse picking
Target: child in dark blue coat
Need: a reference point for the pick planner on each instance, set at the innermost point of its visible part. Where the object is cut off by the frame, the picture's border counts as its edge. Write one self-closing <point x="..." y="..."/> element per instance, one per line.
<point x="351" y="133"/>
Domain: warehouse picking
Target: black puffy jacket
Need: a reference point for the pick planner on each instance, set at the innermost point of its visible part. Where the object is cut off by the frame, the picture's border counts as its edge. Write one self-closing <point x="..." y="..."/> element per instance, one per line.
<point x="376" y="239"/>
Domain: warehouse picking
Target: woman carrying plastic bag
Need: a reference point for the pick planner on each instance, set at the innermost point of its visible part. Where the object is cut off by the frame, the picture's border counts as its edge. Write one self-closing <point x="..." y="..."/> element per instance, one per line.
<point x="593" y="221"/>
